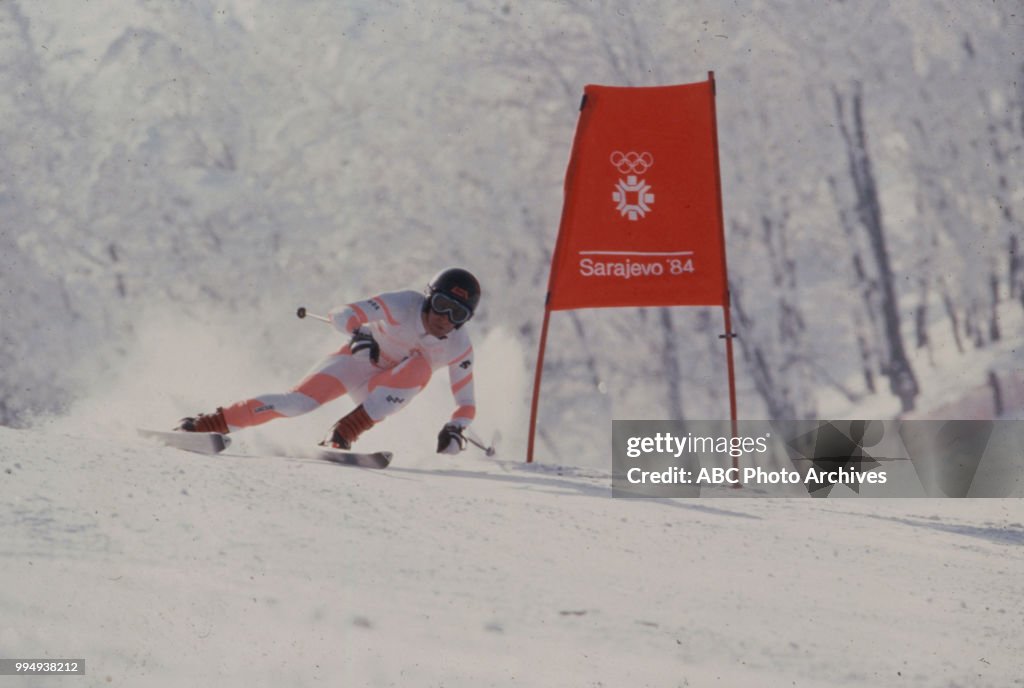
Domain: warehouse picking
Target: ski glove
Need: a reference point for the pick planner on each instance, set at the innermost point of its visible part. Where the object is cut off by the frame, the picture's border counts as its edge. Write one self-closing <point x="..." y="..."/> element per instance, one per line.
<point x="364" y="340"/>
<point x="450" y="439"/>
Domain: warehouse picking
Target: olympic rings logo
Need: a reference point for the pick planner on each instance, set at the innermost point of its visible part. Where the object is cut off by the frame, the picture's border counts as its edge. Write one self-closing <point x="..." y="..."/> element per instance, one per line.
<point x="637" y="163"/>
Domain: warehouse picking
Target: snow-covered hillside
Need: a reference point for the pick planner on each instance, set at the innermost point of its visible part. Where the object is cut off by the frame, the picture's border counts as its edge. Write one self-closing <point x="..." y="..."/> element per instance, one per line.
<point x="162" y="568"/>
<point x="176" y="178"/>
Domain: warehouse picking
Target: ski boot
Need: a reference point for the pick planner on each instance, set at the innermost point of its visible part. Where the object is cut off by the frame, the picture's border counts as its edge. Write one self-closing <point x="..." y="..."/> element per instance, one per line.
<point x="348" y="429"/>
<point x="205" y="422"/>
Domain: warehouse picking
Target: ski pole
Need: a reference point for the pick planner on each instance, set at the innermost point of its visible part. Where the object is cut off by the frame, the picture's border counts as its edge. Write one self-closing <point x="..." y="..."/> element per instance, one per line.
<point x="487" y="450"/>
<point x="303" y="313"/>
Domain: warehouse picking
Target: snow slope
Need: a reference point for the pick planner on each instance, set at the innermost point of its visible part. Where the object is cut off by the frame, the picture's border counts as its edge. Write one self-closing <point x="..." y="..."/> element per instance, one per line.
<point x="176" y="178"/>
<point x="162" y="568"/>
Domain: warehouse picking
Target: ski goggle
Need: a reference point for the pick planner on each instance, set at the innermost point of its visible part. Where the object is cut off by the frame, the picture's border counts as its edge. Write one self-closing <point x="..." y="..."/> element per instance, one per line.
<point x="443" y="304"/>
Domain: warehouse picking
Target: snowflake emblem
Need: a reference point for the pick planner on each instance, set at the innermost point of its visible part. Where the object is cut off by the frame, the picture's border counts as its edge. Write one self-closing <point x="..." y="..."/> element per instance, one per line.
<point x="633" y="197"/>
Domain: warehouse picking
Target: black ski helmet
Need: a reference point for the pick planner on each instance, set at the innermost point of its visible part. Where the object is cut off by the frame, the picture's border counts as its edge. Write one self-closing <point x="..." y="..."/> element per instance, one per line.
<point x="457" y="284"/>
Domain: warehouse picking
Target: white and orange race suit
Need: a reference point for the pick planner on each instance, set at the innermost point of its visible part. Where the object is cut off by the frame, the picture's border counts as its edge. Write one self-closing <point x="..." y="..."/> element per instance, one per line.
<point x="408" y="357"/>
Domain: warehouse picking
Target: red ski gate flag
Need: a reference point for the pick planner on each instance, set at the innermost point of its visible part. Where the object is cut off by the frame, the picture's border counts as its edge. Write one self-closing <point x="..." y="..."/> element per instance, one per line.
<point x="642" y="217"/>
<point x="641" y="224"/>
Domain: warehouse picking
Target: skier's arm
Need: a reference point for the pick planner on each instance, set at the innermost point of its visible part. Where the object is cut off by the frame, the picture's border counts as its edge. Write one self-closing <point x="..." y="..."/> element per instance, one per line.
<point x="460" y="372"/>
<point x="351" y="317"/>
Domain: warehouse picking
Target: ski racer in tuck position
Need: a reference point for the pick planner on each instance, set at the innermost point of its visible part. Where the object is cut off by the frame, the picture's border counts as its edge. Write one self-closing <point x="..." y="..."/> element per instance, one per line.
<point x="397" y="340"/>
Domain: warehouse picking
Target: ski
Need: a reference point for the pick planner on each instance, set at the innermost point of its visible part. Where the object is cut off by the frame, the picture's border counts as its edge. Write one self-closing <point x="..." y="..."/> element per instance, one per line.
<point x="198" y="442"/>
<point x="214" y="443"/>
<point x="348" y="458"/>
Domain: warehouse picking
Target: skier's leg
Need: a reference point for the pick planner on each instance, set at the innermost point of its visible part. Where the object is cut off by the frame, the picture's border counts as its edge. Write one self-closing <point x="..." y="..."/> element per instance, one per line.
<point x="391" y="390"/>
<point x="388" y="391"/>
<point x="328" y="380"/>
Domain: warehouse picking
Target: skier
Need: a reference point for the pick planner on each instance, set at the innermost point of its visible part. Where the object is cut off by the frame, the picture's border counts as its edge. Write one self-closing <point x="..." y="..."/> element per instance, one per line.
<point x="397" y="340"/>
